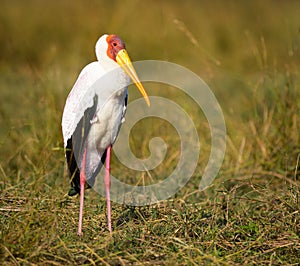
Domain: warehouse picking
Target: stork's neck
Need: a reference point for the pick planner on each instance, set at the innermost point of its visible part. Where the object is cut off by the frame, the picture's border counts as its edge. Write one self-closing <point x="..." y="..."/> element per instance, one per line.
<point x="107" y="64"/>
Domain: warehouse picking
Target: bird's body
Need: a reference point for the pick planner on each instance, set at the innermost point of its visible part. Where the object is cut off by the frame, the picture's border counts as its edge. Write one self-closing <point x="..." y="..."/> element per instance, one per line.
<point x="93" y="114"/>
<point x="103" y="120"/>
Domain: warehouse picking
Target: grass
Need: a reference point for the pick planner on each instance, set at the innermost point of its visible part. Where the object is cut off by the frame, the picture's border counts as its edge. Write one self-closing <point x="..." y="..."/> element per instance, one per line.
<point x="248" y="53"/>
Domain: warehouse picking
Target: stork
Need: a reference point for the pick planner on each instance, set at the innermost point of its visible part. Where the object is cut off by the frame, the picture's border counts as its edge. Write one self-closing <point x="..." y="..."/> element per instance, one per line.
<point x="93" y="114"/>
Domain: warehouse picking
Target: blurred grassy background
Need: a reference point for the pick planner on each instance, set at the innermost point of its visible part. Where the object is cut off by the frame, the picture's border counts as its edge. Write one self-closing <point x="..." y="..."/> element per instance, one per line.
<point x="249" y="54"/>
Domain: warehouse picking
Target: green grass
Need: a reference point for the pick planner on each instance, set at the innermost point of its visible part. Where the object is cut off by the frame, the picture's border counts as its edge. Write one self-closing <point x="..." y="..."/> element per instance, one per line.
<point x="248" y="53"/>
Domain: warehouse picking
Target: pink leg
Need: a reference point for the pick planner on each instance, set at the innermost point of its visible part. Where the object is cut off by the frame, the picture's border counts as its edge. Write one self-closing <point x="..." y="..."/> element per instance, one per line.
<point x="107" y="187"/>
<point x="82" y="184"/>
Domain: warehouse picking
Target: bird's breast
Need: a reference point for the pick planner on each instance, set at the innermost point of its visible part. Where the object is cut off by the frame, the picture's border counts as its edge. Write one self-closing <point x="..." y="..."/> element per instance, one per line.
<point x="107" y="122"/>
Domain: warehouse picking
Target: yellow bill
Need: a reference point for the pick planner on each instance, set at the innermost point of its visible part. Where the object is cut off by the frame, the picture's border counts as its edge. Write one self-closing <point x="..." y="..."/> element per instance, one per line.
<point x="124" y="61"/>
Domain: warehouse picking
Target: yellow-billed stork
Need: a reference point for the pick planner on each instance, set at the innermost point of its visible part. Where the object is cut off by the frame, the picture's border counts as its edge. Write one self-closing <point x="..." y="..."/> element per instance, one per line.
<point x="91" y="123"/>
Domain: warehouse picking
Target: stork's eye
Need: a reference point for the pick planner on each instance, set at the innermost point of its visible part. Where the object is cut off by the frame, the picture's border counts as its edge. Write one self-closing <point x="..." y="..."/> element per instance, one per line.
<point x="115" y="44"/>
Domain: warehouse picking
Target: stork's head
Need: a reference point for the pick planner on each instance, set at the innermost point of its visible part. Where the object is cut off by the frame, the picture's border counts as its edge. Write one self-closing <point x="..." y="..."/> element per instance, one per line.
<point x="111" y="49"/>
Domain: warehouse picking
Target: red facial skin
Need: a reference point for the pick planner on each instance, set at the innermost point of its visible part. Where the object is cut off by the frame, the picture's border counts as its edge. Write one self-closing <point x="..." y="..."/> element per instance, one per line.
<point x="115" y="44"/>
